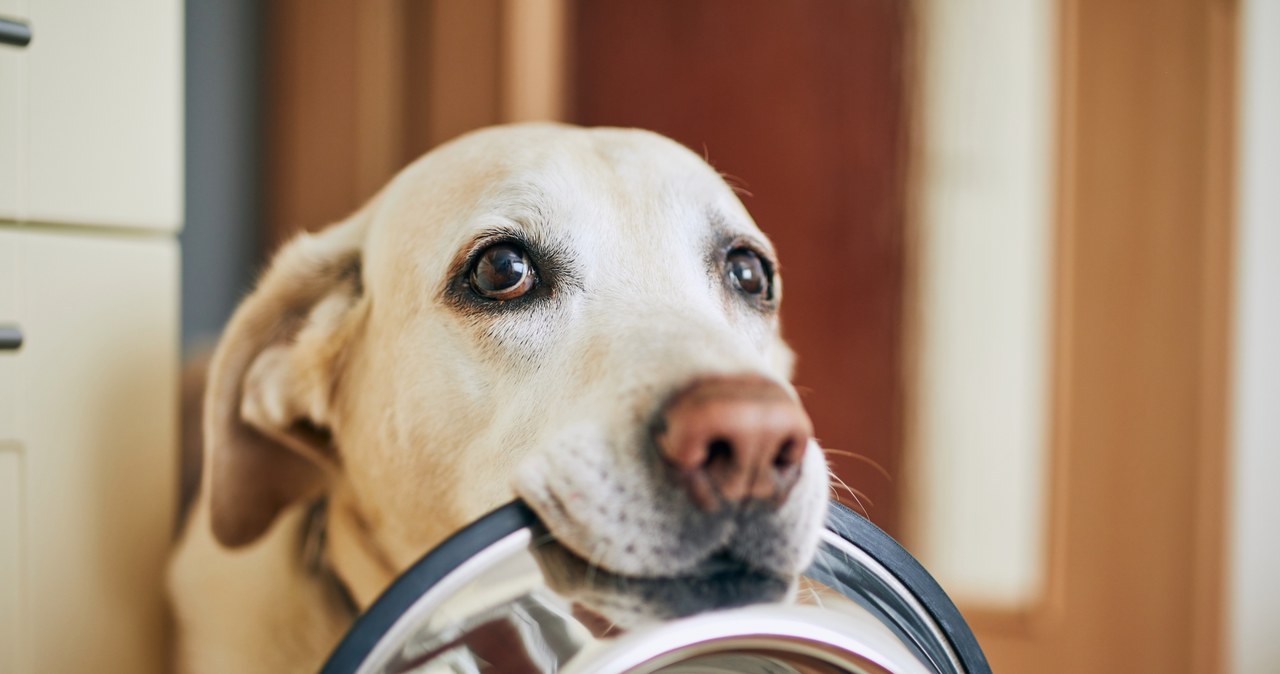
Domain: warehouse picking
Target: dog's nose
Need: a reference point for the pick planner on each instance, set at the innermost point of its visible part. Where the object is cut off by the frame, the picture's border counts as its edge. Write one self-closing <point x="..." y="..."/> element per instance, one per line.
<point x="730" y="439"/>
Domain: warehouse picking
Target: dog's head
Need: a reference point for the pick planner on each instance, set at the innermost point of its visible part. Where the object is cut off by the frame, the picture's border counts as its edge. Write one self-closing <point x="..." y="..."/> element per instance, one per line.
<point x="587" y="319"/>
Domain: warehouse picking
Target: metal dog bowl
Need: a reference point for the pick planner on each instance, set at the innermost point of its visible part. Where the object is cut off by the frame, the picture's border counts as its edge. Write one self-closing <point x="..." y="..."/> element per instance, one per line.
<point x="481" y="602"/>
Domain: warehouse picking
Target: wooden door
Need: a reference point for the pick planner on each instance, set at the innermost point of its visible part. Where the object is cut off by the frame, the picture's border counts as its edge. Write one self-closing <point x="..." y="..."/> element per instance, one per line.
<point x="803" y="105"/>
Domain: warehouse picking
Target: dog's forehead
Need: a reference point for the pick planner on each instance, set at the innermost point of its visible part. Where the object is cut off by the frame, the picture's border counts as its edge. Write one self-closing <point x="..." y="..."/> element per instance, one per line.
<point x="599" y="187"/>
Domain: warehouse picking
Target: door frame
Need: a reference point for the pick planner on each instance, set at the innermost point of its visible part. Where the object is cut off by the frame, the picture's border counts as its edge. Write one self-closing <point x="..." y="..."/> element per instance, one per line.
<point x="1141" y="346"/>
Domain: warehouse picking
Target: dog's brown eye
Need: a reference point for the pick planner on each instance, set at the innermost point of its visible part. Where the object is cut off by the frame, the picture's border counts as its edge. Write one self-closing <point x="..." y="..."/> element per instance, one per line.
<point x="748" y="271"/>
<point x="502" y="272"/>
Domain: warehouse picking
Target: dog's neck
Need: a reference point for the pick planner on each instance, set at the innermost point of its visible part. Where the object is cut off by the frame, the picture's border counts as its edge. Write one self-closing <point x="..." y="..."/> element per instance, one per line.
<point x="314" y="553"/>
<point x="258" y="609"/>
<point x="337" y="545"/>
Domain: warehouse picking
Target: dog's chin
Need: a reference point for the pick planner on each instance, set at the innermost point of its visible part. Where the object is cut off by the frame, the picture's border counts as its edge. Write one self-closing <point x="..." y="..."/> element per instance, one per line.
<point x="627" y="601"/>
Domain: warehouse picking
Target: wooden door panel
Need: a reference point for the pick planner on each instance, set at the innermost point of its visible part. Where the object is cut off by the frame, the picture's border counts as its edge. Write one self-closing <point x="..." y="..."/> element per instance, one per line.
<point x="1140" y="346"/>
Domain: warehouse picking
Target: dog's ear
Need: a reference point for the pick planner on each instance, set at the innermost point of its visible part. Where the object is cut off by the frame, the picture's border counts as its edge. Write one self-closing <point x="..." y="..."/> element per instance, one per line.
<point x="268" y="403"/>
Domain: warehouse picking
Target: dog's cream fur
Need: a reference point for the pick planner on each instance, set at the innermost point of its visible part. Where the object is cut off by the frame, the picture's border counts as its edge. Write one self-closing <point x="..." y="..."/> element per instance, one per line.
<point x="359" y="370"/>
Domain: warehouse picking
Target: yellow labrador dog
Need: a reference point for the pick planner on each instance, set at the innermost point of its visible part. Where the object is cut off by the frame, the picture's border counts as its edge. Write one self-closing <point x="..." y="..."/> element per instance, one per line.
<point x="584" y="318"/>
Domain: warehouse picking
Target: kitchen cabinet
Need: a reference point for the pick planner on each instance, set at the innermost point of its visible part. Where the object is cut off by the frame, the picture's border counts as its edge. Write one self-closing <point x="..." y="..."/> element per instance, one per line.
<point x="90" y="203"/>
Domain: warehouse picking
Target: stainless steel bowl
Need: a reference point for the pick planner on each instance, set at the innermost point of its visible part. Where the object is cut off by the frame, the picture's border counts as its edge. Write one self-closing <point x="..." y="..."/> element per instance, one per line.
<point x="482" y="602"/>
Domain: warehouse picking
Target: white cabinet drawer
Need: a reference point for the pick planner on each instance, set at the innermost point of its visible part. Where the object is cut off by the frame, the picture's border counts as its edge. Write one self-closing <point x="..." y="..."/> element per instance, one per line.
<point x="97" y="98"/>
<point x="87" y="470"/>
<point x="12" y="106"/>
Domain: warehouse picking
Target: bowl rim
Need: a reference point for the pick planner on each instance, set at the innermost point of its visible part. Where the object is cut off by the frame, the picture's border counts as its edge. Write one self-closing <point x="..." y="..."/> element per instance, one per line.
<point x="374" y="623"/>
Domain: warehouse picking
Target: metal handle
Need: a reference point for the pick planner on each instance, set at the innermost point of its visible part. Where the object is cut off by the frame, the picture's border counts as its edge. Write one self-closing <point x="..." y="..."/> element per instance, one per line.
<point x="10" y="338"/>
<point x="15" y="32"/>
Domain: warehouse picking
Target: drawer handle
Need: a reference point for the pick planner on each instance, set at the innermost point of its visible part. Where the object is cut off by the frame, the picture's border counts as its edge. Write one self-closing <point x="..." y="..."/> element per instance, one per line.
<point x="10" y="338"/>
<point x="15" y="32"/>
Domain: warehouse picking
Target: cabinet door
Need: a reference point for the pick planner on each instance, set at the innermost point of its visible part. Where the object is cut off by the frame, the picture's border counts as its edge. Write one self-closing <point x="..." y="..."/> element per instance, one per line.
<point x="87" y="465"/>
<point x="11" y="496"/>
<point x="104" y="113"/>
<point x="13" y="84"/>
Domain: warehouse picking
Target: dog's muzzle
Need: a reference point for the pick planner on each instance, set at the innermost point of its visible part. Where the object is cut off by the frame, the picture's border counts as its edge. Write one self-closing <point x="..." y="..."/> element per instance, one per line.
<point x="487" y="600"/>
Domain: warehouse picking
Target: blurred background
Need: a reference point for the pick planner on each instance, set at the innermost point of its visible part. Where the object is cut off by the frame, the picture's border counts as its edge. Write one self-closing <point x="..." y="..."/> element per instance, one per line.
<point x="1031" y="248"/>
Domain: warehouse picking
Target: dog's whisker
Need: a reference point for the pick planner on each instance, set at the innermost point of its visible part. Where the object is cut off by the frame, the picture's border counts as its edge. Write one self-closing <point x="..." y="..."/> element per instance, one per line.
<point x="860" y="457"/>
<point x="853" y="493"/>
<point x="845" y="485"/>
<point x="817" y="596"/>
<point x="838" y="497"/>
<point x="858" y="493"/>
<point x="808" y="592"/>
<point x="863" y="495"/>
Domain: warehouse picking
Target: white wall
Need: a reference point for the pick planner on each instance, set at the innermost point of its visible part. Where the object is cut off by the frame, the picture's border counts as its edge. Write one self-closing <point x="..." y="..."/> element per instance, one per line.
<point x="976" y="509"/>
<point x="1254" y="594"/>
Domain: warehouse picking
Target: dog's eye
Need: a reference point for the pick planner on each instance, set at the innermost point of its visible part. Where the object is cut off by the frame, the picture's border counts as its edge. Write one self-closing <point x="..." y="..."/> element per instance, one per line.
<point x="502" y="272"/>
<point x="748" y="271"/>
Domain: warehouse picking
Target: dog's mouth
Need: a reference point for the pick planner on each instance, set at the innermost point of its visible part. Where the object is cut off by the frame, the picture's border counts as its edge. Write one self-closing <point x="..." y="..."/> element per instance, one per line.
<point x="719" y="581"/>
<point x="623" y="541"/>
